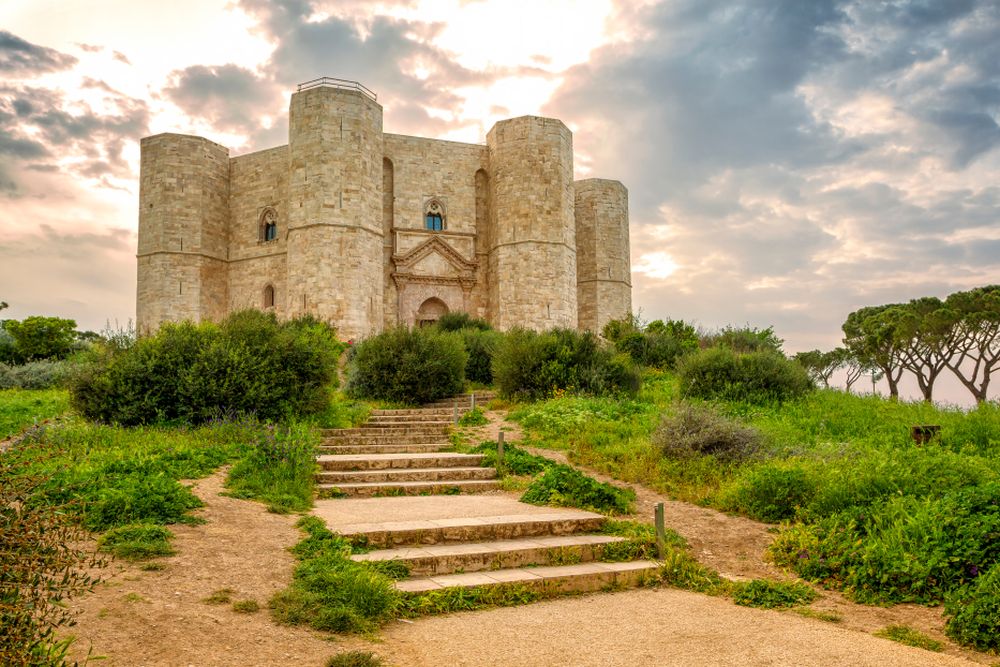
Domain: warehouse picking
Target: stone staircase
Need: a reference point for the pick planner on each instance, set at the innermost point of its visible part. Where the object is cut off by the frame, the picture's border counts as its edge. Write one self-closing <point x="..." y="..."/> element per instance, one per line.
<point x="402" y="452"/>
<point x="554" y="550"/>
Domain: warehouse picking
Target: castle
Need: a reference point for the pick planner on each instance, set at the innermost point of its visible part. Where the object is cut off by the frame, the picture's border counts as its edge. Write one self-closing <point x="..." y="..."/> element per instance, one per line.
<point x="366" y="229"/>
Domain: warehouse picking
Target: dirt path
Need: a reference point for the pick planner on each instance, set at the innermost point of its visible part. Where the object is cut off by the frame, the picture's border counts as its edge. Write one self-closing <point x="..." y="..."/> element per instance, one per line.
<point x="142" y="618"/>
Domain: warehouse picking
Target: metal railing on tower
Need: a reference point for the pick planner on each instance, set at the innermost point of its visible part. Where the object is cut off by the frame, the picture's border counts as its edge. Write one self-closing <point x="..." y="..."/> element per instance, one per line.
<point x="333" y="82"/>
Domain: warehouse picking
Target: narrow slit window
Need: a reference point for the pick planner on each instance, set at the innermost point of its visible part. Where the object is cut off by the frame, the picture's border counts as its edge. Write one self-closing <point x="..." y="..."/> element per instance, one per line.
<point x="269" y="296"/>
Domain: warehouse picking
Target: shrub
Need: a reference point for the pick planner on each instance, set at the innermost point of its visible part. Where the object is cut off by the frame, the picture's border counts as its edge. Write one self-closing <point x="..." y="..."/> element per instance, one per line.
<point x="975" y="613"/>
<point x="516" y="461"/>
<point x="529" y="365"/>
<point x="745" y="339"/>
<point x="456" y="321"/>
<point x="45" y="374"/>
<point x="409" y="366"/>
<point x="696" y="430"/>
<point x="772" y="594"/>
<point x="771" y="492"/>
<point x="754" y="377"/>
<point x="191" y="372"/>
<point x="480" y="345"/>
<point x="137" y="541"/>
<point x="565" y="486"/>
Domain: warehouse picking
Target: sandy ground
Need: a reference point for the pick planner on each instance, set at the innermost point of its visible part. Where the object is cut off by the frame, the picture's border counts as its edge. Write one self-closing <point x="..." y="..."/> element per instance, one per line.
<point x="141" y="618"/>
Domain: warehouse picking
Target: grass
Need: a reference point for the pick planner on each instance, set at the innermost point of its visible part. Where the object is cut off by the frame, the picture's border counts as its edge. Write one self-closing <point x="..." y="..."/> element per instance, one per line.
<point x="277" y="467"/>
<point x="21" y="408"/>
<point x="910" y="637"/>
<point x="474" y="417"/>
<point x="221" y="596"/>
<point x="137" y="542"/>
<point x="246" y="607"/>
<point x="827" y="616"/>
<point x="355" y="659"/>
<point x="766" y="594"/>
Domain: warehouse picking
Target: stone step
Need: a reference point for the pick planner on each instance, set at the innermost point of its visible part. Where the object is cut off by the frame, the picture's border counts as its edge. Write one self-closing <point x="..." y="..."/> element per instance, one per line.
<point x="385" y="430"/>
<point x="378" y="423"/>
<point x="443" y="416"/>
<point x="440" y="413"/>
<point x="407" y="488"/>
<point x="476" y="529"/>
<point x="385" y="461"/>
<point x="480" y="556"/>
<point x="393" y="447"/>
<point x="453" y="474"/>
<point x="381" y="439"/>
<point x="579" y="578"/>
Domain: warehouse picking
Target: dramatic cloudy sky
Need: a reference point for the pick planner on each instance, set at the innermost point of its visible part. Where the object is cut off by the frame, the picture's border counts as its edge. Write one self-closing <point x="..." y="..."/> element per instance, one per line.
<point x="787" y="161"/>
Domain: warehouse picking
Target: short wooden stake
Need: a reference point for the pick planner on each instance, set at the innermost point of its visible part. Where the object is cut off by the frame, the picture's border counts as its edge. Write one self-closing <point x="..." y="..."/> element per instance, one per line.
<point x="454" y="414"/>
<point x="473" y="402"/>
<point x="661" y="533"/>
<point x="500" y="449"/>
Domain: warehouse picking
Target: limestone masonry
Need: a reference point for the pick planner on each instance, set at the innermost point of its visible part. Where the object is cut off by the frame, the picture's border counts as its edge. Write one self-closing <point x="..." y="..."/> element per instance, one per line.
<point x="366" y="229"/>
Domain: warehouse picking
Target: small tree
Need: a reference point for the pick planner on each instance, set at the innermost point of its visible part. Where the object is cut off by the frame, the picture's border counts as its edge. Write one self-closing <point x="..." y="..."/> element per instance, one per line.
<point x="872" y="337"/>
<point x="822" y="365"/>
<point x="976" y="351"/>
<point x="40" y="337"/>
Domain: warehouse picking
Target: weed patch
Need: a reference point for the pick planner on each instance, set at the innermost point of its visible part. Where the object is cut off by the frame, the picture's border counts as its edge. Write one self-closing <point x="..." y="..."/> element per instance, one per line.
<point x="221" y="596"/>
<point x="448" y="600"/>
<point x="564" y="486"/>
<point x="277" y="467"/>
<point x="140" y="541"/>
<point x="910" y="637"/>
<point x="355" y="659"/>
<point x="766" y="594"/>
<point x="473" y="417"/>
<point x="974" y="612"/>
<point x="246" y="607"/>
<point x="828" y="616"/>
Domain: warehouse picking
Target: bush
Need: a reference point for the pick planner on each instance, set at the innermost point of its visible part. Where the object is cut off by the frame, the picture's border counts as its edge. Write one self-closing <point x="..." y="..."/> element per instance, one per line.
<point x="457" y="321"/>
<point x="137" y="541"/>
<point x="566" y="486"/>
<point x="658" y="344"/>
<point x="529" y="365"/>
<point x="772" y="594"/>
<point x="45" y="374"/>
<point x="771" y="492"/>
<point x="192" y="372"/>
<point x="695" y="430"/>
<point x="975" y="613"/>
<point x="480" y="345"/>
<point x="754" y="377"/>
<point x="745" y="339"/>
<point x="410" y="366"/>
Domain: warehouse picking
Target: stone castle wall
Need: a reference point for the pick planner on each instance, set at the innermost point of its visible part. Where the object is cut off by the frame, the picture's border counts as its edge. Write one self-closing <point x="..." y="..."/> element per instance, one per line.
<point x="522" y="244"/>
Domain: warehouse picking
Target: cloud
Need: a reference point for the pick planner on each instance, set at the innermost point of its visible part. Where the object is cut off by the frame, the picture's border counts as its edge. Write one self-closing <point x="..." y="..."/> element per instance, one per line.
<point x="798" y="160"/>
<point x="229" y="97"/>
<point x="19" y="57"/>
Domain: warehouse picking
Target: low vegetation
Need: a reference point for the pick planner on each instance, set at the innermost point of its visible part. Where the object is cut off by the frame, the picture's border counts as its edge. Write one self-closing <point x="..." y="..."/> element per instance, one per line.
<point x="767" y="594"/>
<point x="910" y="637"/>
<point x="565" y="486"/>
<point x="137" y="541"/>
<point x="276" y="465"/>
<point x="759" y="377"/>
<point x="20" y="409"/>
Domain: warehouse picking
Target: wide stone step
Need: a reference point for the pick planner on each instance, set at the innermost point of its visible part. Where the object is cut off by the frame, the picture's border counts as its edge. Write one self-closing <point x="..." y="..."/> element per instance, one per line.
<point x="480" y="556"/>
<point x="442" y="416"/>
<point x="439" y="424"/>
<point x="407" y="488"/>
<point x="385" y="461"/>
<point x="378" y="439"/>
<point x="385" y="430"/>
<point x="405" y="475"/>
<point x="439" y="413"/>
<point x="393" y="447"/>
<point x="579" y="578"/>
<point x="476" y="529"/>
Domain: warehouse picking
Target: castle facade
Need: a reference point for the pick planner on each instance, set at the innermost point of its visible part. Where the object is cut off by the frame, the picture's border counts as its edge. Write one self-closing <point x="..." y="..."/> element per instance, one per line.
<point x="367" y="230"/>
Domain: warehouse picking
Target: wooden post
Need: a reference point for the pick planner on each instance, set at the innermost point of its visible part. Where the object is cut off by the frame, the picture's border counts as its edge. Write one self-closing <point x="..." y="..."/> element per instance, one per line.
<point x="499" y="449"/>
<point x="473" y="401"/>
<point x="661" y="533"/>
<point x="454" y="413"/>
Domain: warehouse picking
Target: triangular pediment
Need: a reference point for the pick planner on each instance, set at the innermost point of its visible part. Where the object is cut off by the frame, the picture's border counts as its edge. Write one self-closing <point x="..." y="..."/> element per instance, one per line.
<point x="435" y="256"/>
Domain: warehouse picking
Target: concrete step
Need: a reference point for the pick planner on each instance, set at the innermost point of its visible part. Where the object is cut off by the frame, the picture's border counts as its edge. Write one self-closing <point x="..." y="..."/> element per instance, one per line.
<point x="453" y="474"/>
<point x="439" y="413"/>
<point x="480" y="556"/>
<point x="407" y="488"/>
<point x="381" y="423"/>
<point x="579" y="578"/>
<point x="392" y="447"/>
<point x="443" y="416"/>
<point x="476" y="529"/>
<point x="385" y="461"/>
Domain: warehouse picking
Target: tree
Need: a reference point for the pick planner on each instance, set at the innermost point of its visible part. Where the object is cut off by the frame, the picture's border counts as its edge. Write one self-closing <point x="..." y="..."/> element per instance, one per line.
<point x="926" y="331"/>
<point x="3" y="304"/>
<point x="40" y="337"/>
<point x="822" y="365"/>
<point x="854" y="369"/>
<point x="872" y="336"/>
<point x="976" y="350"/>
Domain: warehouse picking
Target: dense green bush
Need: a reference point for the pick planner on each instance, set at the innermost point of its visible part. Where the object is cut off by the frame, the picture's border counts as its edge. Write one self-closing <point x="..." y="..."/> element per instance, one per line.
<point x="564" y="485"/>
<point x="744" y="339"/>
<point x="530" y="365"/>
<point x="481" y="345"/>
<point x="657" y="344"/>
<point x="458" y="320"/>
<point x="188" y="372"/>
<point x="692" y="430"/>
<point x="754" y="377"/>
<point x="902" y="550"/>
<point x="771" y="492"/>
<point x="44" y="374"/>
<point x="409" y="366"/>
<point x="974" y="613"/>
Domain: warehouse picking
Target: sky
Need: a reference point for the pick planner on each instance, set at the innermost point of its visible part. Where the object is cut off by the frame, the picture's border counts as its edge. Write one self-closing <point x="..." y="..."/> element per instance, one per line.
<point x="788" y="161"/>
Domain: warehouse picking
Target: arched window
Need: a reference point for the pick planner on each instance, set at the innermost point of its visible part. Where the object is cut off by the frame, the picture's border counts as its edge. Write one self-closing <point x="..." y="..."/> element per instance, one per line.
<point x="434" y="215"/>
<point x="269" y="225"/>
<point x="269" y="296"/>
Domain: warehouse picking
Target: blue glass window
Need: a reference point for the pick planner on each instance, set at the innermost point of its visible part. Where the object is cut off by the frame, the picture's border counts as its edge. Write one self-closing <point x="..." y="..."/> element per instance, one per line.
<point x="435" y="222"/>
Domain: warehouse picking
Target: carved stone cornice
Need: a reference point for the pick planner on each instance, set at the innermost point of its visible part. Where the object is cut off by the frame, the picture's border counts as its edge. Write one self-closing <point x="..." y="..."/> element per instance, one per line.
<point x="436" y="244"/>
<point x="404" y="278"/>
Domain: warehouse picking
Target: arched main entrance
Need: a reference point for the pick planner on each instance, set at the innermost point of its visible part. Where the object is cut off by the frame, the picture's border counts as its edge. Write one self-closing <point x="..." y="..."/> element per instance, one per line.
<point x="430" y="311"/>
